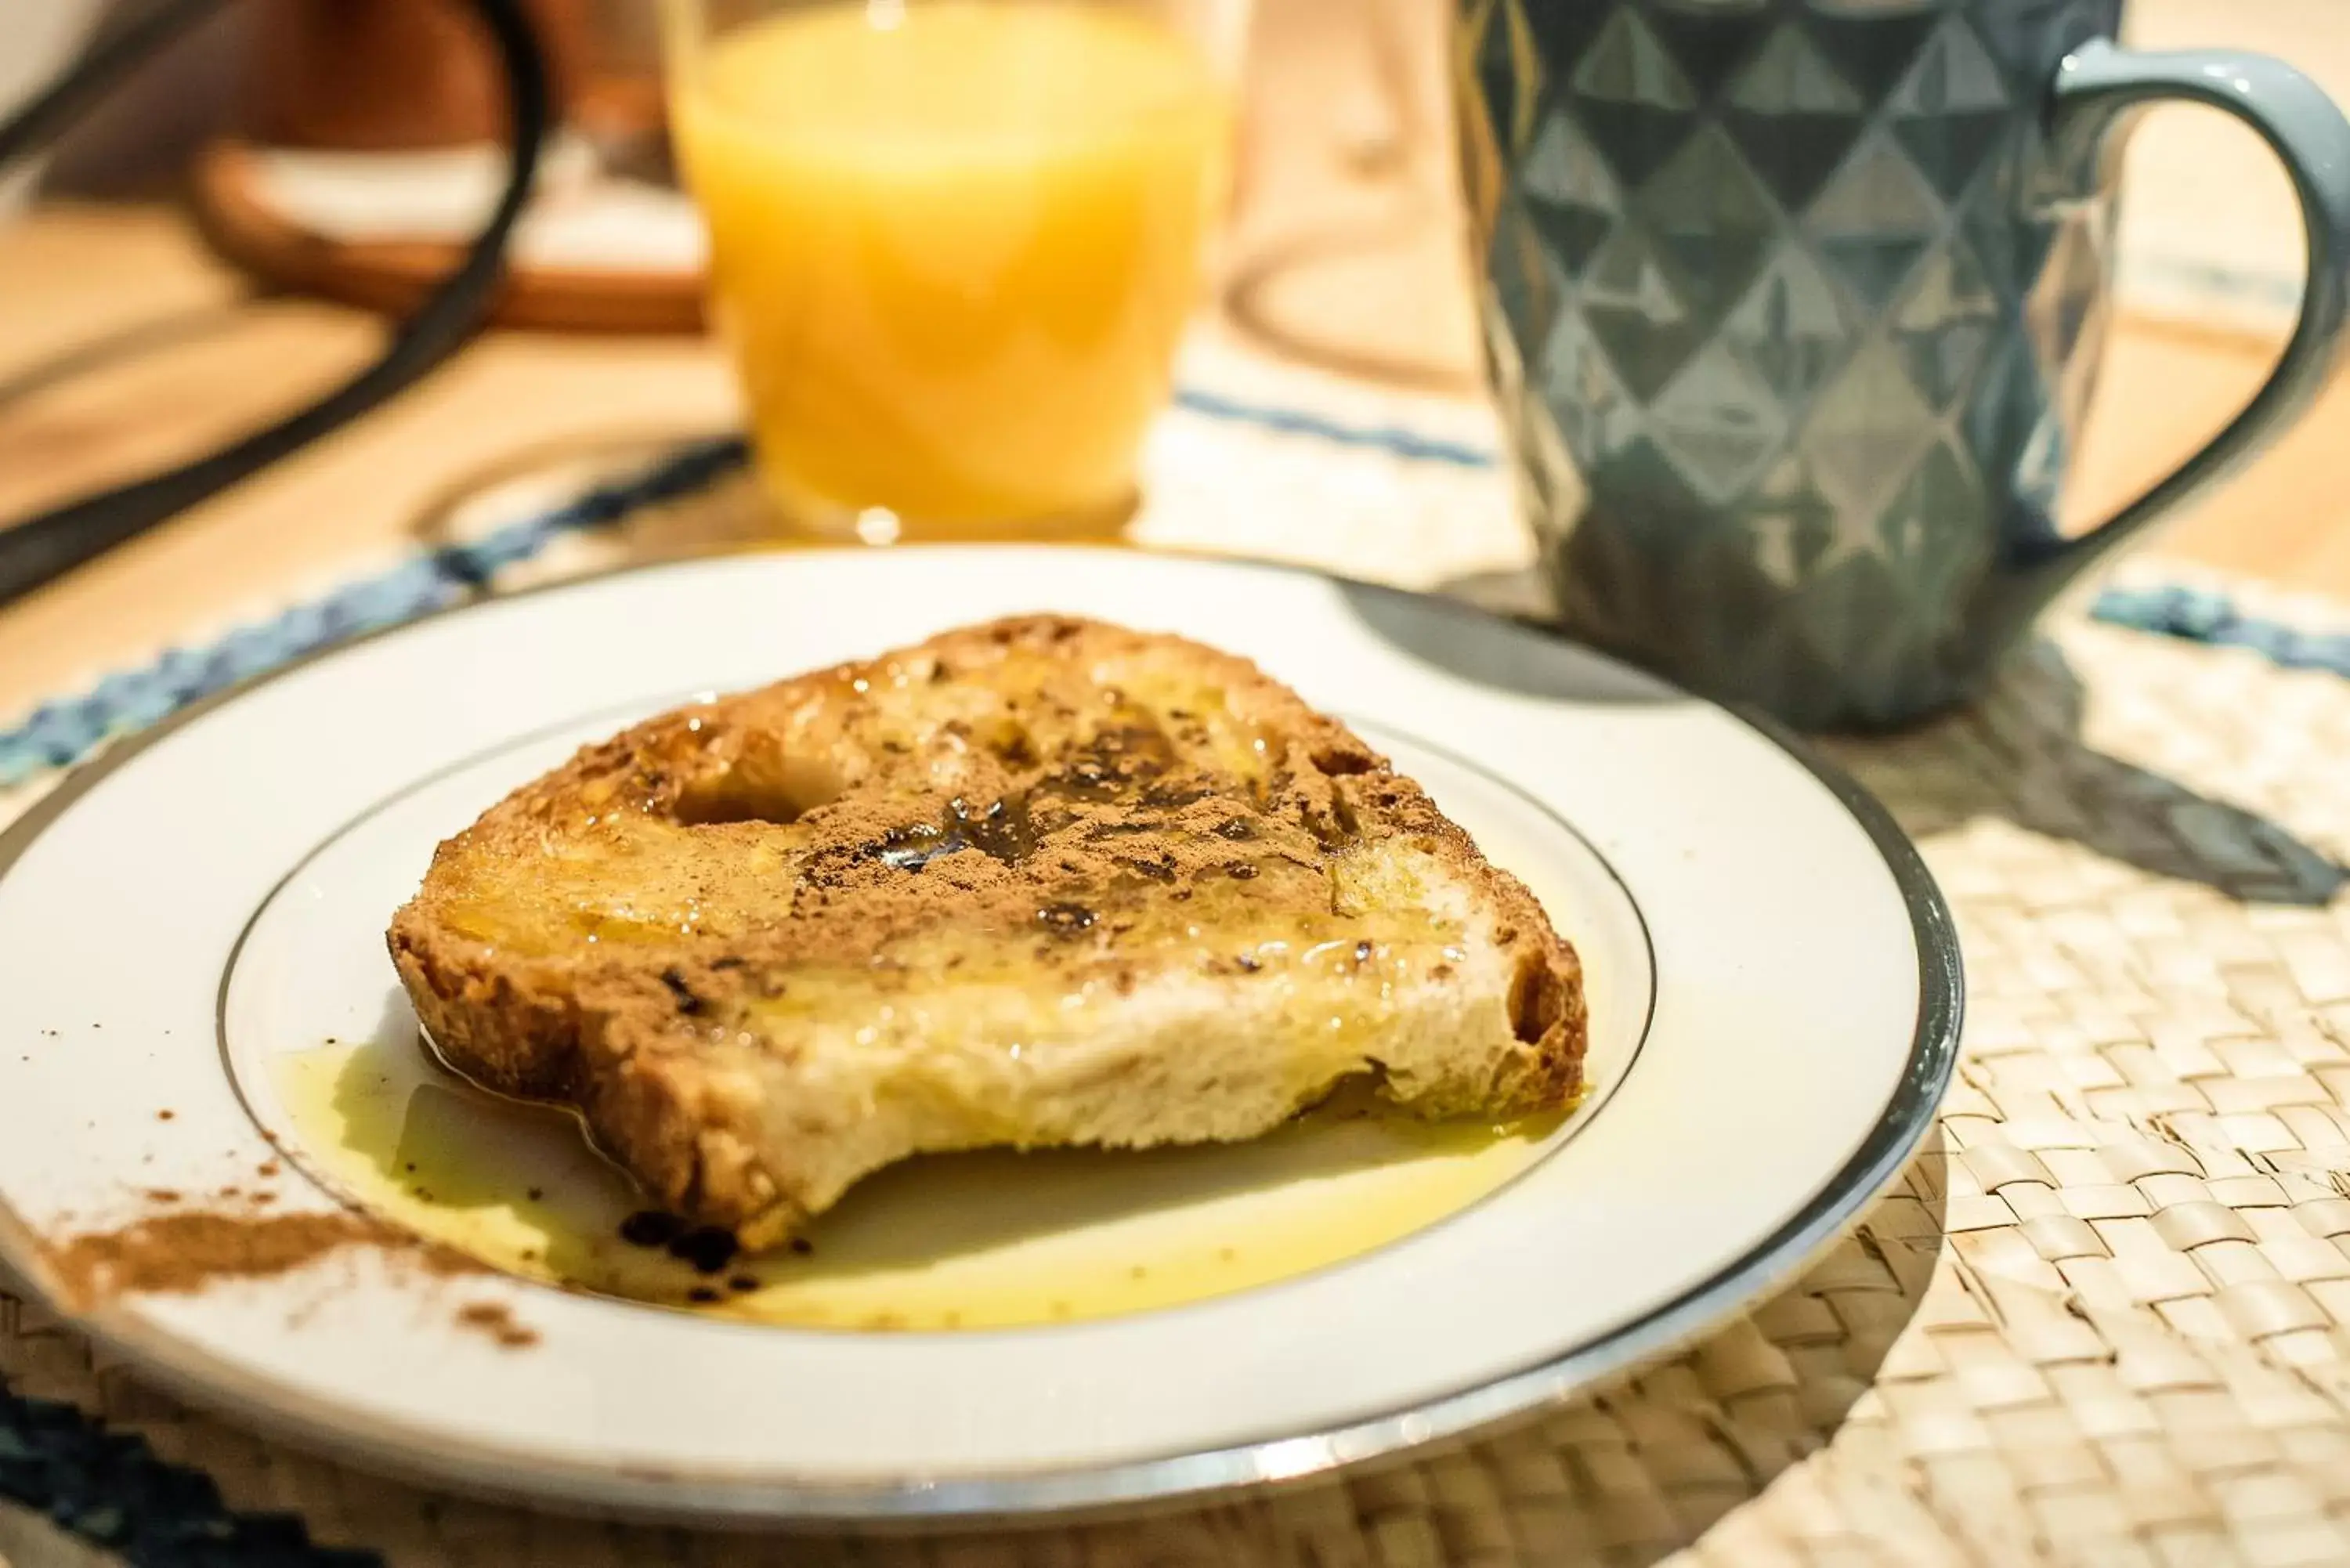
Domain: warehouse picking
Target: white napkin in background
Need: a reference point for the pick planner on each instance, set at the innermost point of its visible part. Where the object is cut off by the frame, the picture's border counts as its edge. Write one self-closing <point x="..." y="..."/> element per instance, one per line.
<point x="580" y="216"/>
<point x="39" y="38"/>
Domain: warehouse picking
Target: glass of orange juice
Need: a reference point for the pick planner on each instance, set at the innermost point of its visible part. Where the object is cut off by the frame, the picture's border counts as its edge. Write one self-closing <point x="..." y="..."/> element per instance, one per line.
<point x="953" y="243"/>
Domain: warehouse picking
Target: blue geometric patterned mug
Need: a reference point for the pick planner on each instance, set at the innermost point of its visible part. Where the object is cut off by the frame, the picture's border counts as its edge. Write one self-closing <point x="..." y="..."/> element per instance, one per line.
<point x="1794" y="308"/>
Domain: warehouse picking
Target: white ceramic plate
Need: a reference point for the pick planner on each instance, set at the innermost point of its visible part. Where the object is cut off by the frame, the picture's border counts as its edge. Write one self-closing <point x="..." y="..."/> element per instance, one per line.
<point x="1775" y="992"/>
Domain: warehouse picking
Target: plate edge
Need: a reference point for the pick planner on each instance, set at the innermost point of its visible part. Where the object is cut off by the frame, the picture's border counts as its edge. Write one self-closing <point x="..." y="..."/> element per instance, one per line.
<point x="1140" y="1485"/>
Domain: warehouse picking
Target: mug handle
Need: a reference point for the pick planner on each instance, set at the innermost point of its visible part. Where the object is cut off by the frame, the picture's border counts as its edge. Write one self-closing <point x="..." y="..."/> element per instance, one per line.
<point x="2099" y="91"/>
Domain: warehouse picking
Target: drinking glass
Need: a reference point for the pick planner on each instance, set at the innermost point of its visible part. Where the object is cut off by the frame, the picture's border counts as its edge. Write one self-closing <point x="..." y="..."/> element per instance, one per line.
<point x="954" y="243"/>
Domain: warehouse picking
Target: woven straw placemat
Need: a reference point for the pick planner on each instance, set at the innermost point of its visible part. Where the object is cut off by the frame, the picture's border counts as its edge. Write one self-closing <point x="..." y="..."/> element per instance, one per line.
<point x="2102" y="1318"/>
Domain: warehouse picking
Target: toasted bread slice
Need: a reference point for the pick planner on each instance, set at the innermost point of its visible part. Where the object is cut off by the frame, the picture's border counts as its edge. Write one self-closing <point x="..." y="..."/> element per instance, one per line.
<point x="1039" y="882"/>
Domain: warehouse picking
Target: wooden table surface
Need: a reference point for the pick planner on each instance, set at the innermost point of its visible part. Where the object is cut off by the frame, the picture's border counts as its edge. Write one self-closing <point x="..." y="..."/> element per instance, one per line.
<point x="124" y="345"/>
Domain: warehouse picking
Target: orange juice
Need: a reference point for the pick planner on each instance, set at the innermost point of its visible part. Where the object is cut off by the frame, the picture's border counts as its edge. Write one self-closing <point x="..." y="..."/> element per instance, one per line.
<point x="953" y="243"/>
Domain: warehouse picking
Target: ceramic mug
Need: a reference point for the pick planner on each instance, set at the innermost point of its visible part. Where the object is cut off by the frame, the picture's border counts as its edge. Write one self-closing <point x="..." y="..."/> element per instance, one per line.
<point x="1794" y="309"/>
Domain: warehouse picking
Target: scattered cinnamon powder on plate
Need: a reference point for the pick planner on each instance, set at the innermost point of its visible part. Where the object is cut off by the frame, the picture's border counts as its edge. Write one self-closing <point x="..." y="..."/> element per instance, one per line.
<point x="498" y="1320"/>
<point x="181" y="1252"/>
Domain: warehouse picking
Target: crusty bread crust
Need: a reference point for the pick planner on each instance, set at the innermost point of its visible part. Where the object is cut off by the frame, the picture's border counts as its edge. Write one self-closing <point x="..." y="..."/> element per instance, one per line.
<point x="684" y="931"/>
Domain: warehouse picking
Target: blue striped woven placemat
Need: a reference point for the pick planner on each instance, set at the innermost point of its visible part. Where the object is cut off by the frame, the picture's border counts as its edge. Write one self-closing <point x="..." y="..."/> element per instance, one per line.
<point x="65" y="731"/>
<point x="111" y="1487"/>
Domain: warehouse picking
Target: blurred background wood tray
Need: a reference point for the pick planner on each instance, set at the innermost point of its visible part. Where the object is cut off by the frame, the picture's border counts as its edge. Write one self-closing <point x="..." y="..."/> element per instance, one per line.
<point x="232" y="204"/>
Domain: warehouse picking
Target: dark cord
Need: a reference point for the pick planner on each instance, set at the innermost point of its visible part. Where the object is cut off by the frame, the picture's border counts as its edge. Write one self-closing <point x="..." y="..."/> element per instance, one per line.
<point x="38" y="550"/>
